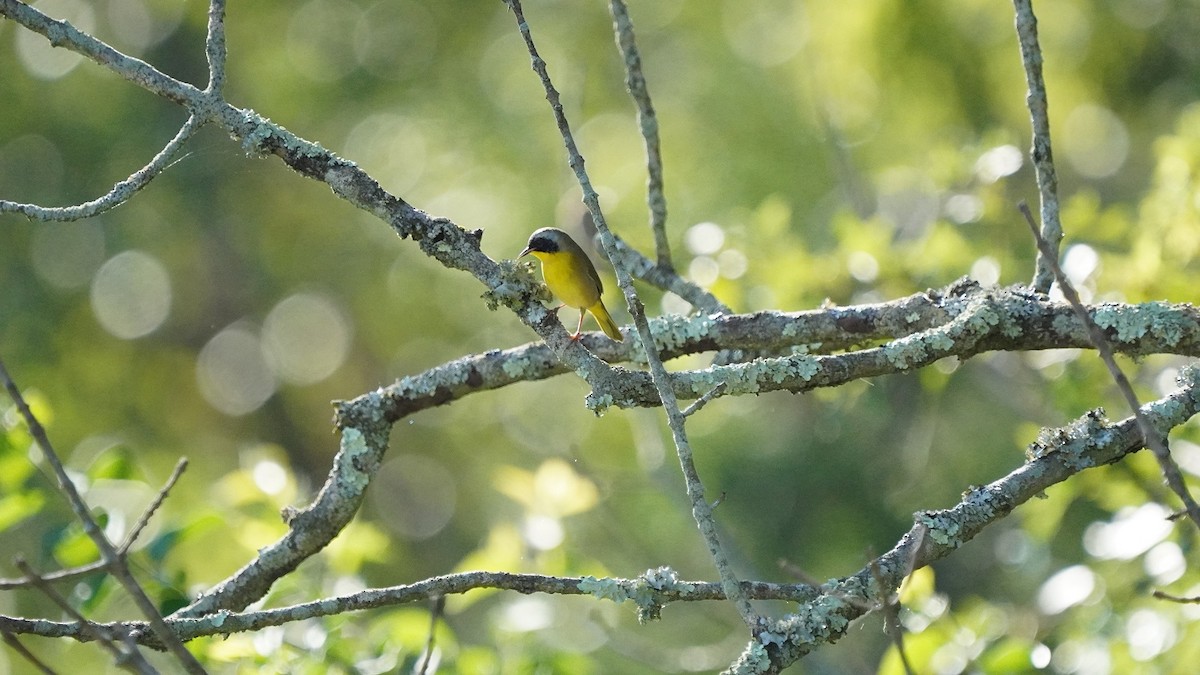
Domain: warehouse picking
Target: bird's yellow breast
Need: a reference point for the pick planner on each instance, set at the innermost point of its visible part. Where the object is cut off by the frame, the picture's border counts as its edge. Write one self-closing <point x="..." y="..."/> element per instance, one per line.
<point x="569" y="277"/>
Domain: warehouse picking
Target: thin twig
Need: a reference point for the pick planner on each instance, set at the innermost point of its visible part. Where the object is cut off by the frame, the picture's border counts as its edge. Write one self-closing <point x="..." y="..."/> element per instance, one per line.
<point x="635" y="83"/>
<point x="15" y="644"/>
<point x="438" y="605"/>
<point x="1194" y="600"/>
<point x="701" y="510"/>
<point x="114" y="561"/>
<point x="699" y="403"/>
<point x="1152" y="438"/>
<point x="126" y="655"/>
<point x="144" y="519"/>
<point x="120" y="193"/>
<point x="1043" y="158"/>
<point x="214" y="48"/>
<point x="100" y="565"/>
<point x="890" y="604"/>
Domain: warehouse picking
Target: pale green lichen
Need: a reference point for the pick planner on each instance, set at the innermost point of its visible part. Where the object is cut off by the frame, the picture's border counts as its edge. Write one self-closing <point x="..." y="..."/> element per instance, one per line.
<point x="905" y="351"/>
<point x="941" y="527"/>
<point x="982" y="317"/>
<point x="805" y="367"/>
<point x="599" y="403"/>
<point x="1157" y="319"/>
<point x="752" y="661"/>
<point x="516" y="366"/>
<point x="605" y="589"/>
<point x="646" y="590"/>
<point x="940" y="342"/>
<point x="353" y="444"/>
<point x="1072" y="441"/>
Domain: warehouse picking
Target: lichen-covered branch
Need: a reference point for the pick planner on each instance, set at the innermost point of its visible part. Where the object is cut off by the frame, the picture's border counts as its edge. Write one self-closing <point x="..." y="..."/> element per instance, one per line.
<point x="635" y="84"/>
<point x="659" y="379"/>
<point x="962" y="321"/>
<point x="823" y="614"/>
<point x="1088" y="442"/>
<point x="1043" y="158"/>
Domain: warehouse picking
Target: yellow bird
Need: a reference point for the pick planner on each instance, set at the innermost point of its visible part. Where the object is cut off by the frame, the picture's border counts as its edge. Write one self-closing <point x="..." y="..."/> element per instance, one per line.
<point x="571" y="276"/>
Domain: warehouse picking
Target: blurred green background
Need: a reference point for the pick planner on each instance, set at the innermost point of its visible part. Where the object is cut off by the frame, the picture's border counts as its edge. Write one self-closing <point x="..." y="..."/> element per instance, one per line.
<point x="850" y="152"/>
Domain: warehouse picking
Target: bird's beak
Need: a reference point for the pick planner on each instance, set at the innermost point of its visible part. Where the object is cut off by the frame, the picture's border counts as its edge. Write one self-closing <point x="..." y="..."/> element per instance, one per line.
<point x="525" y="252"/>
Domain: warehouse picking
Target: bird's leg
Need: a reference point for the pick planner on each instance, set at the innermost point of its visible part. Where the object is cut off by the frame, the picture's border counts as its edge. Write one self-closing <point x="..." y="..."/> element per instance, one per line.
<point x="579" y="328"/>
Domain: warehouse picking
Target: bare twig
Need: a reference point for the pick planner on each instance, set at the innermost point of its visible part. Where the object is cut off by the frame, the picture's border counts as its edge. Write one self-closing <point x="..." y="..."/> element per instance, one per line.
<point x="144" y="519"/>
<point x="1154" y="440"/>
<point x="826" y="610"/>
<point x="635" y="83"/>
<point x="100" y="565"/>
<point x="437" y="606"/>
<point x="15" y="644"/>
<point x="936" y="534"/>
<point x="889" y="602"/>
<point x="1194" y="600"/>
<point x="1043" y="158"/>
<point x="699" y="403"/>
<point x="120" y="193"/>
<point x="124" y="654"/>
<point x="214" y="48"/>
<point x="114" y="561"/>
<point x="701" y="510"/>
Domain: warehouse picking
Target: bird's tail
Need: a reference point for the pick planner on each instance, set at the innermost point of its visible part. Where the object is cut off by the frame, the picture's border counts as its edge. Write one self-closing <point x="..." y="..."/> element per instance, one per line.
<point x="606" y="322"/>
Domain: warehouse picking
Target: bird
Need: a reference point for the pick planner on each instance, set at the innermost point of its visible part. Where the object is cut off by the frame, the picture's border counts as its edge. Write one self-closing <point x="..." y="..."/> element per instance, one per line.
<point x="571" y="276"/>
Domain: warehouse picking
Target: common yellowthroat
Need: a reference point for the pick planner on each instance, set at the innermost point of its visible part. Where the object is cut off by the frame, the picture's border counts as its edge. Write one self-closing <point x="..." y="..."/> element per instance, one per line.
<point x="571" y="276"/>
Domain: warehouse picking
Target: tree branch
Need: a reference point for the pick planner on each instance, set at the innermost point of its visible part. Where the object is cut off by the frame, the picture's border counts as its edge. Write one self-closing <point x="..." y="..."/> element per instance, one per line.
<point x="701" y="511"/>
<point x="635" y="84"/>
<point x="1043" y="158"/>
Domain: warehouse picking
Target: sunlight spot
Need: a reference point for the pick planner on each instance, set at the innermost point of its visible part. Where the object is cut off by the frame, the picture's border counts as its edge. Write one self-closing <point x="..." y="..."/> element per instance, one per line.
<point x="963" y="209"/>
<point x="1095" y="141"/>
<point x="1132" y="532"/>
<point x="704" y="238"/>
<point x="1039" y="656"/>
<point x="862" y="266"/>
<point x="396" y="40"/>
<point x="268" y="641"/>
<point x="1149" y="634"/>
<point x="733" y="263"/>
<point x="131" y="294"/>
<point x="543" y="532"/>
<point x="1000" y="161"/>
<point x="232" y="374"/>
<point x="34" y="51"/>
<point x="1074" y="656"/>
<point x="703" y="271"/>
<point x="525" y="615"/>
<point x="673" y="304"/>
<point x="306" y="338"/>
<point x="1165" y="562"/>
<point x="1067" y="588"/>
<point x="1079" y="263"/>
<point x="1187" y="455"/>
<point x="986" y="271"/>
<point x="270" y="477"/>
<point x="131" y="22"/>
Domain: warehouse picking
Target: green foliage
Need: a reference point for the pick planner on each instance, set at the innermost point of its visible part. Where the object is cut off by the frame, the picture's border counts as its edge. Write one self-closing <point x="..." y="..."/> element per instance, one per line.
<point x="841" y="152"/>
